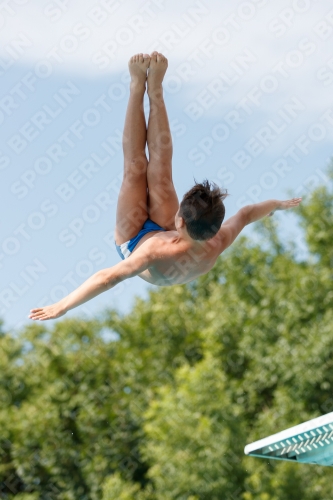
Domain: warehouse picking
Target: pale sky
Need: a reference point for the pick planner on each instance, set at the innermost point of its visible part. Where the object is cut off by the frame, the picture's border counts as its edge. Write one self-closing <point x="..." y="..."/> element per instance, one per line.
<point x="249" y="96"/>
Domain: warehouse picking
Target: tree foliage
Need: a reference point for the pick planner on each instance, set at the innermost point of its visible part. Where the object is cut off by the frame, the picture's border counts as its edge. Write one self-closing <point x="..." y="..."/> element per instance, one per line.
<point x="197" y="372"/>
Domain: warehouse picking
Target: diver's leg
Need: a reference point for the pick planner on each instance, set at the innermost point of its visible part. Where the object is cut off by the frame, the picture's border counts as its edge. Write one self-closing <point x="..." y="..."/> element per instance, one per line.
<point x="162" y="198"/>
<point x="132" y="201"/>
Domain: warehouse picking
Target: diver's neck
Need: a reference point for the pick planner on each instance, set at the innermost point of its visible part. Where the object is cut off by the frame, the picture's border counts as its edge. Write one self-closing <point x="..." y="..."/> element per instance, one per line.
<point x="183" y="237"/>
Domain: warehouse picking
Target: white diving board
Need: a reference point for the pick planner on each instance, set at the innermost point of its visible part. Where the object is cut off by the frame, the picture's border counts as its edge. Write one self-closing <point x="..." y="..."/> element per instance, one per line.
<point x="307" y="443"/>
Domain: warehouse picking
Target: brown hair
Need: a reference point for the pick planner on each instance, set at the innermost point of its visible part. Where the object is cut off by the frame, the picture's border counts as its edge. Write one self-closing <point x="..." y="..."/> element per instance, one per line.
<point x="203" y="210"/>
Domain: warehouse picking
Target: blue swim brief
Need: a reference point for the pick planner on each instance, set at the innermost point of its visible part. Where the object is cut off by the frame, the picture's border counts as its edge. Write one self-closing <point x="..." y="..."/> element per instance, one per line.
<point x="125" y="249"/>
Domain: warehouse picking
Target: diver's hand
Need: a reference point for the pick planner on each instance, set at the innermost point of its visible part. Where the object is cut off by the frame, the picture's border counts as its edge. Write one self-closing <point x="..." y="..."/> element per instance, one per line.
<point x="47" y="312"/>
<point x="285" y="205"/>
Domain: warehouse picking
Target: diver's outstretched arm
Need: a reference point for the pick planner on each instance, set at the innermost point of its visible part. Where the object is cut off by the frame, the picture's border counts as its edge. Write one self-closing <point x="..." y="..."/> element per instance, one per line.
<point x="100" y="282"/>
<point x="231" y="228"/>
<point x="267" y="208"/>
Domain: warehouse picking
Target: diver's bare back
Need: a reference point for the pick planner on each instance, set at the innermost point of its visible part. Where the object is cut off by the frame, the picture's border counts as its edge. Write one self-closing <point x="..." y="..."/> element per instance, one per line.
<point x="175" y="262"/>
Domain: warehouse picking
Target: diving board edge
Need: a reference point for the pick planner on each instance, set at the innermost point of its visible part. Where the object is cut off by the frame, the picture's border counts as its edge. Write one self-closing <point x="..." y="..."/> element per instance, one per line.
<point x="288" y="433"/>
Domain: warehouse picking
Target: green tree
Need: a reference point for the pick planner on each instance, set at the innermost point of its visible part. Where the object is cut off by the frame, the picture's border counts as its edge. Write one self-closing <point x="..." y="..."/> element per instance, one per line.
<point x="197" y="372"/>
<point x="195" y="436"/>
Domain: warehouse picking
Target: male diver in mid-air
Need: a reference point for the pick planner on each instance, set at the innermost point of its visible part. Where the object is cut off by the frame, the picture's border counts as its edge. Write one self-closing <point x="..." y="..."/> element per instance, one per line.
<point x="160" y="240"/>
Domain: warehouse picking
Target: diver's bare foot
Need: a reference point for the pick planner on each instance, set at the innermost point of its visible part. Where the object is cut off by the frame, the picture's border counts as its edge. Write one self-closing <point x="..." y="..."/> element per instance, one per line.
<point x="157" y="68"/>
<point x="138" y="66"/>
